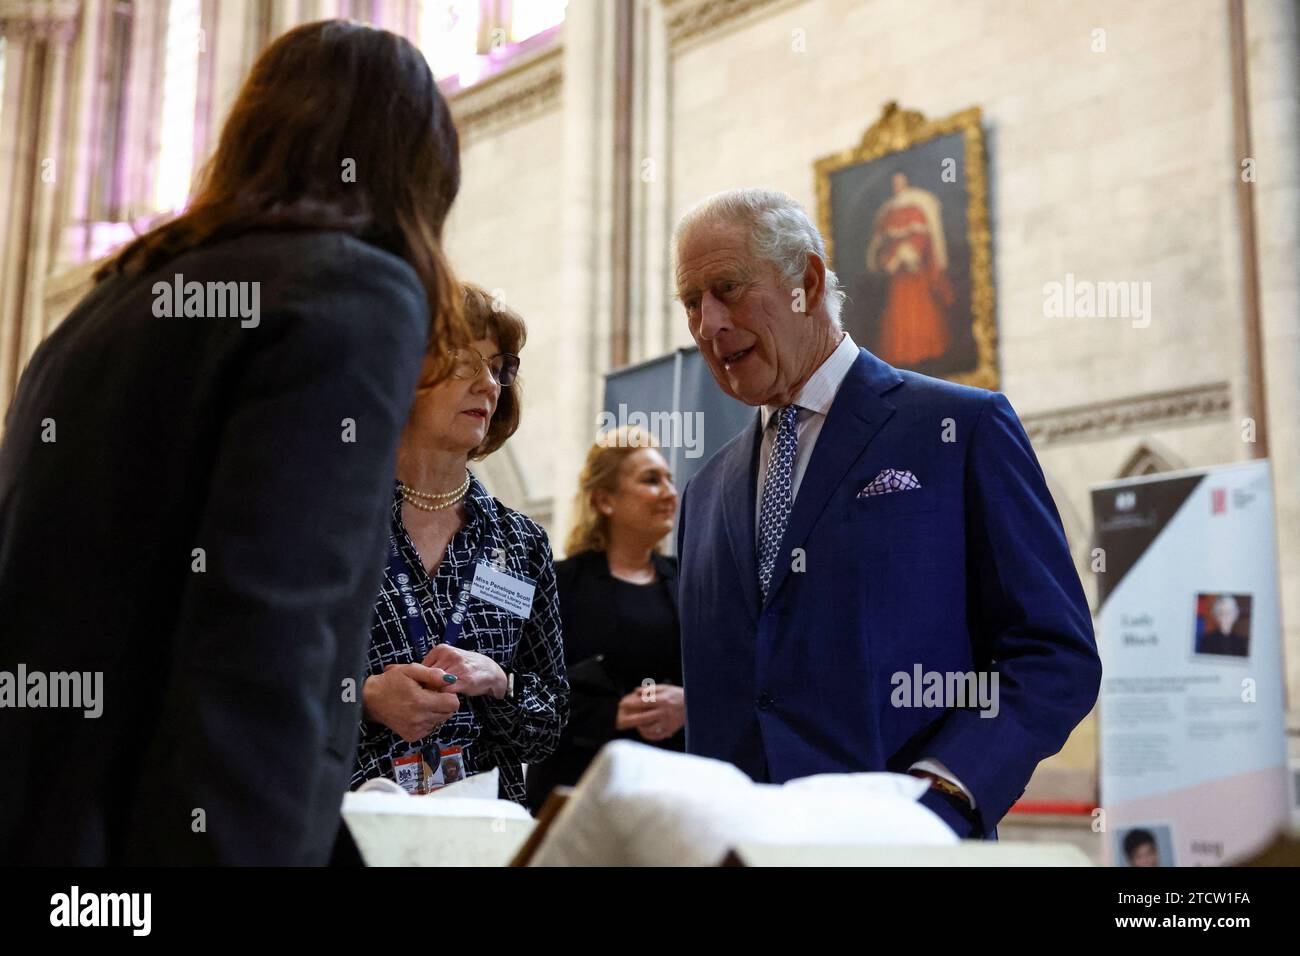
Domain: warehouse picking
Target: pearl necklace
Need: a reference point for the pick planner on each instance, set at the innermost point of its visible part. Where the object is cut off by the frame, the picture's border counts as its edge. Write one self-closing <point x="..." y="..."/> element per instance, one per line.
<point x="425" y="501"/>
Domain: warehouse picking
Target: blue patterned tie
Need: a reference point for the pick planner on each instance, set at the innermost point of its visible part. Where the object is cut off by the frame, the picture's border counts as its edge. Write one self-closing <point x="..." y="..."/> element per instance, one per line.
<point x="777" y="497"/>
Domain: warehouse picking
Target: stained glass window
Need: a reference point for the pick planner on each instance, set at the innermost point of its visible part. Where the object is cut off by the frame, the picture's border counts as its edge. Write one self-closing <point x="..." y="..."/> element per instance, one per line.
<point x="467" y="40"/>
<point x="531" y="17"/>
<point x="449" y="36"/>
<point x="180" y="91"/>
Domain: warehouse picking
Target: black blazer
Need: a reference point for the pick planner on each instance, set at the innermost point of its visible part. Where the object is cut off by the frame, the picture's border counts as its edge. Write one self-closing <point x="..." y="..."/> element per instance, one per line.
<point x="596" y="682"/>
<point x="228" y="725"/>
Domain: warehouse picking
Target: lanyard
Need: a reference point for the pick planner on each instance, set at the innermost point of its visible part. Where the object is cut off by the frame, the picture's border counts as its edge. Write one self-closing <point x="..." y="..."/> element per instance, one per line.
<point x="413" y="623"/>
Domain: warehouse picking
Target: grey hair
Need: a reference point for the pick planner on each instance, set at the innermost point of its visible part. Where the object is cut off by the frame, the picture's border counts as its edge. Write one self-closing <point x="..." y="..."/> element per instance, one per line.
<point x="1227" y="600"/>
<point x="780" y="233"/>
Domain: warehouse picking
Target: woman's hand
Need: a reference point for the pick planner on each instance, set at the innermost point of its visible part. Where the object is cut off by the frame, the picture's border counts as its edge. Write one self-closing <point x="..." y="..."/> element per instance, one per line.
<point x="477" y="675"/>
<point x="655" y="711"/>
<point x="409" y="699"/>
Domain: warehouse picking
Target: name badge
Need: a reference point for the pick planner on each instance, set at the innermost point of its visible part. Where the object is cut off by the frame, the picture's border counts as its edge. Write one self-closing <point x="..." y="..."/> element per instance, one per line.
<point x="451" y="767"/>
<point x="414" y="775"/>
<point x="503" y="590"/>
<point x="411" y="773"/>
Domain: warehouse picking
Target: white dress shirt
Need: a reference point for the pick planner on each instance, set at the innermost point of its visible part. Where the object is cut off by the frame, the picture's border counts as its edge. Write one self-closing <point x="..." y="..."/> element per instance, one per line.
<point x="814" y="403"/>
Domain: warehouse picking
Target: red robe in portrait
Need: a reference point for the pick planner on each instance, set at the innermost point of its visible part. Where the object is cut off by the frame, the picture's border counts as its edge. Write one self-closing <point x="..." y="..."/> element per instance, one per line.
<point x="907" y="245"/>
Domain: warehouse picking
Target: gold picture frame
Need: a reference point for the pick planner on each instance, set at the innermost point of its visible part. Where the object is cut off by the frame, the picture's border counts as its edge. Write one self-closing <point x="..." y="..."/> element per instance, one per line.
<point x="902" y="144"/>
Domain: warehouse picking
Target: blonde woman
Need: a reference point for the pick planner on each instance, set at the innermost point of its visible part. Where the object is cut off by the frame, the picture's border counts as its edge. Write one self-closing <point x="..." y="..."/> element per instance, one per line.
<point x="618" y="601"/>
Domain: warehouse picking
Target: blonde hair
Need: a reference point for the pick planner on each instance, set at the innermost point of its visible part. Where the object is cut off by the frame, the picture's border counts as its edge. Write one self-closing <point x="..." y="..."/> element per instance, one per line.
<point x="601" y="472"/>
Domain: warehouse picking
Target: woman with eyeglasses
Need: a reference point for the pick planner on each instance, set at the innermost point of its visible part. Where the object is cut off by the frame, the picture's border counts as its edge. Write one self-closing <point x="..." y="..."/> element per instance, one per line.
<point x="466" y="664"/>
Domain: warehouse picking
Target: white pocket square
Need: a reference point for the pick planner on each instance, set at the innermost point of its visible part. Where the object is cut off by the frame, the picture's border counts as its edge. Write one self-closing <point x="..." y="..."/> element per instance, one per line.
<point x="889" y="481"/>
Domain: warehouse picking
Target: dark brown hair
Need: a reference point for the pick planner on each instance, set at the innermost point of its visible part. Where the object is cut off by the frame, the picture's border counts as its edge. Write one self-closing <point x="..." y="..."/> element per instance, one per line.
<point x="323" y="98"/>
<point x="489" y="318"/>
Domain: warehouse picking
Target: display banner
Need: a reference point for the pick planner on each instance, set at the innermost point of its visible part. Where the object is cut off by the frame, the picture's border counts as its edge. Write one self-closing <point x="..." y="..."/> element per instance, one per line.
<point x="675" y="398"/>
<point x="1193" y="742"/>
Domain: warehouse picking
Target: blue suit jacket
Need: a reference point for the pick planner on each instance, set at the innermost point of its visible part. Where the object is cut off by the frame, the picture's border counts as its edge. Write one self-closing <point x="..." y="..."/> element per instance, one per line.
<point x="968" y="572"/>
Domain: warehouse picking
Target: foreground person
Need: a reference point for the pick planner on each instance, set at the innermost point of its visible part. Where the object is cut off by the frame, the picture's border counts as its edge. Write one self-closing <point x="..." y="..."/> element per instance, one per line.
<point x="191" y="500"/>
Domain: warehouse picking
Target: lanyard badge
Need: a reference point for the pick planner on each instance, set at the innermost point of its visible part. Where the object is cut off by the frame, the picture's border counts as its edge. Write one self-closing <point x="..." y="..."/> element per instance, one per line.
<point x="426" y="769"/>
<point x="414" y="773"/>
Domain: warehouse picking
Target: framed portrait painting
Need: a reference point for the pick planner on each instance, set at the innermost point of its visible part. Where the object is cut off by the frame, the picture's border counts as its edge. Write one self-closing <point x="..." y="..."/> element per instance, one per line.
<point x="905" y="217"/>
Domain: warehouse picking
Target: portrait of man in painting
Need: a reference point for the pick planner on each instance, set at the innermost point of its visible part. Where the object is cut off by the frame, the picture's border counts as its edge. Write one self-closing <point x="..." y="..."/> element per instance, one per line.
<point x="909" y="241"/>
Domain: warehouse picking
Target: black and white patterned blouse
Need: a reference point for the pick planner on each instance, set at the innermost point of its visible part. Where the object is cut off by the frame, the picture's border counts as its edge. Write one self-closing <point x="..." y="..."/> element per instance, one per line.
<point x="492" y="733"/>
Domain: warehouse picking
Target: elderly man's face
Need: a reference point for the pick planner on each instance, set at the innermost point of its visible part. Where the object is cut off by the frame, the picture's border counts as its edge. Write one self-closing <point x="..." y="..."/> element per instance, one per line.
<point x="741" y="316"/>
<point x="1226" y="616"/>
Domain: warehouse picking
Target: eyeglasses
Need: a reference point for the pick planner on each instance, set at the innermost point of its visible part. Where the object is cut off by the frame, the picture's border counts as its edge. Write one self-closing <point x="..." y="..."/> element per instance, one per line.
<point x="469" y="362"/>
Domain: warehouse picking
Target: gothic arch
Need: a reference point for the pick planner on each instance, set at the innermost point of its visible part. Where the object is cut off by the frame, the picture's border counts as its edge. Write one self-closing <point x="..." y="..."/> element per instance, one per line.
<point x="1149" y="458"/>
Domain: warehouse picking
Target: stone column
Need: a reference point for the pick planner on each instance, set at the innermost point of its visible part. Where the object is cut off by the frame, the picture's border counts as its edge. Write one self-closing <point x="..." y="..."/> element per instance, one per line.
<point x="83" y="134"/>
<point x="232" y="45"/>
<point x="142" y="108"/>
<point x="585" y="186"/>
<point x="653" y="309"/>
<point x="1273" y="41"/>
<point x="285" y="15"/>
<point x="19" y="114"/>
<point x="38" y="40"/>
<point x="55" y="160"/>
